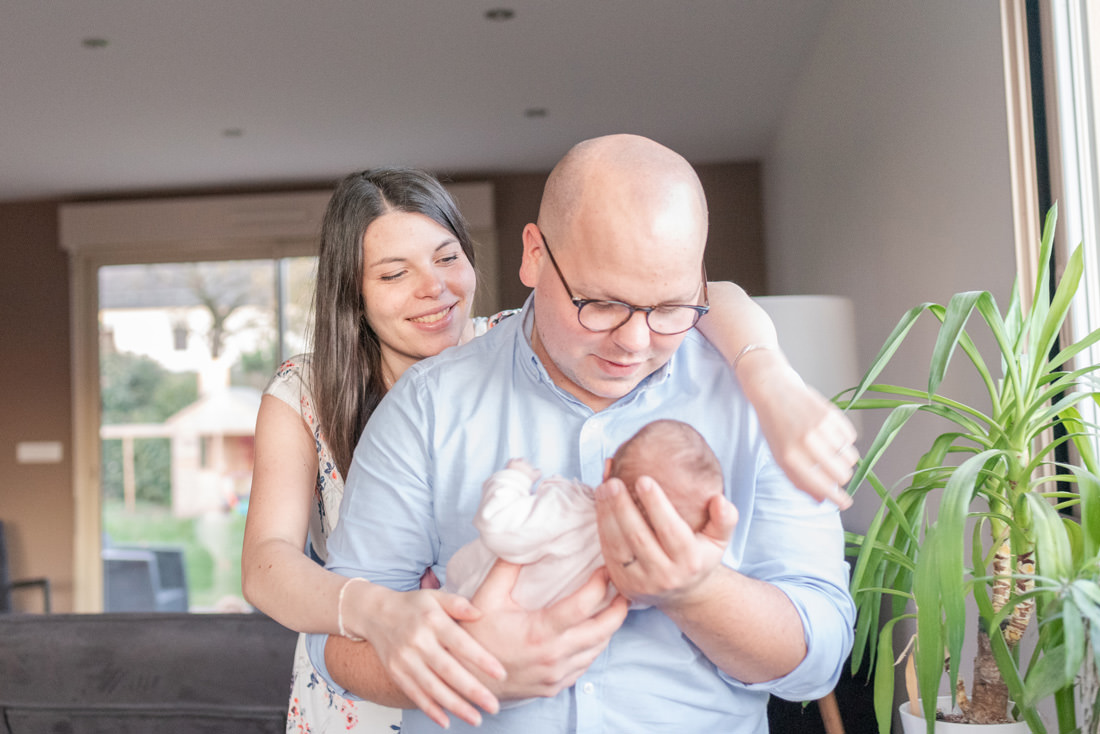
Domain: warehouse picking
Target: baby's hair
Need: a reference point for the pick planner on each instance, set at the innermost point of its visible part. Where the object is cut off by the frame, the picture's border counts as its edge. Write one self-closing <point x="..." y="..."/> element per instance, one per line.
<point x="663" y="450"/>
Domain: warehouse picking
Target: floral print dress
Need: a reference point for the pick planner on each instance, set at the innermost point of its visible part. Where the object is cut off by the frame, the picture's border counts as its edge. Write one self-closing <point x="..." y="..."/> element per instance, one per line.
<point x="315" y="707"/>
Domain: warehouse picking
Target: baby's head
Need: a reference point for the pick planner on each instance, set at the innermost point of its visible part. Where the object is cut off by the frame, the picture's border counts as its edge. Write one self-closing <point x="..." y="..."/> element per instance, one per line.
<point x="677" y="458"/>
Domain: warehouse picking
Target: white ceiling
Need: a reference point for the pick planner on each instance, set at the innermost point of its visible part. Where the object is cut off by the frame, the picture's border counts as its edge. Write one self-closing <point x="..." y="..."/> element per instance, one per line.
<point x="322" y="87"/>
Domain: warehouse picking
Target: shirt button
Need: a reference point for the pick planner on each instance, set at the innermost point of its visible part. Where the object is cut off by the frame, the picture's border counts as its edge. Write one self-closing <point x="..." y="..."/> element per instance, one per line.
<point x="589" y="688"/>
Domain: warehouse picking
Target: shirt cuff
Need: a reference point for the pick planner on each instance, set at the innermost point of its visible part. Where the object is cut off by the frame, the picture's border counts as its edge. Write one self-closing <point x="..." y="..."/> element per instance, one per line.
<point x="827" y="628"/>
<point x="315" y="646"/>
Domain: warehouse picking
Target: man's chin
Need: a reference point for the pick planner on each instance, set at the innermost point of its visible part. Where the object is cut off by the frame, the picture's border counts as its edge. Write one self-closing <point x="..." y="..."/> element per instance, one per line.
<point x="612" y="389"/>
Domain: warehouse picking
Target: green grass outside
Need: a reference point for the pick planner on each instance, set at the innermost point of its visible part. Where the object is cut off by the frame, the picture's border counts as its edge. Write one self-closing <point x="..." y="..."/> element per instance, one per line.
<point x="211" y="545"/>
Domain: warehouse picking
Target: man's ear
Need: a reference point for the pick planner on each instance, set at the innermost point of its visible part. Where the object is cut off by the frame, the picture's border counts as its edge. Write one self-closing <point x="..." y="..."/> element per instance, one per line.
<point x="533" y="256"/>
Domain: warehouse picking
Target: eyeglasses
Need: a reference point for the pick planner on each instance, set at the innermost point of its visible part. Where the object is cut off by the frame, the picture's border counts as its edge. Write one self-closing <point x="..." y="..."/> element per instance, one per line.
<point x="666" y="319"/>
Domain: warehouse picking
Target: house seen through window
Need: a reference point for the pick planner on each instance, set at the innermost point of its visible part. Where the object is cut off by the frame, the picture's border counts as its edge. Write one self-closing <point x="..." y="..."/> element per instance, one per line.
<point x="185" y="350"/>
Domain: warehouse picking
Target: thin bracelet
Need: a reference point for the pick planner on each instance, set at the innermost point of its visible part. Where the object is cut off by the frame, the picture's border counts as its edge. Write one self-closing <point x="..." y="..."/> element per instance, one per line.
<point x="749" y="348"/>
<point x="340" y="610"/>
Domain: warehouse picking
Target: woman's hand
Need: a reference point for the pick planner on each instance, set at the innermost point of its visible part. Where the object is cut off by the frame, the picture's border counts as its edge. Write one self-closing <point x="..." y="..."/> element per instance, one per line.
<point x="426" y="653"/>
<point x="810" y="438"/>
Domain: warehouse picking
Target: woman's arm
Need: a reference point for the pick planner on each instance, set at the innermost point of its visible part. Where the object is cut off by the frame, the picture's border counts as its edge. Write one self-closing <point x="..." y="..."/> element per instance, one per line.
<point x="278" y="578"/>
<point x="810" y="438"/>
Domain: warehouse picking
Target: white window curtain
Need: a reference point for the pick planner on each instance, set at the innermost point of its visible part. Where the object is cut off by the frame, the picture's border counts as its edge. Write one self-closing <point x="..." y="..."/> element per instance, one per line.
<point x="1071" y="60"/>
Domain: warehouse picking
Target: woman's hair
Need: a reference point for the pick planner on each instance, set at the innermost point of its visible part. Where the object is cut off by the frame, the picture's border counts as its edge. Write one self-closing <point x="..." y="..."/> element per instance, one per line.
<point x="347" y="380"/>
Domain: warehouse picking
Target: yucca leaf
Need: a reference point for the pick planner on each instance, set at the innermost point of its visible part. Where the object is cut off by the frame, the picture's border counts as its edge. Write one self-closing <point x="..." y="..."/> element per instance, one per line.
<point x="1040" y="302"/>
<point x="863" y="645"/>
<point x="890" y="347"/>
<point x="1045" y="676"/>
<point x="1073" y="631"/>
<point x="1063" y="382"/>
<point x="929" y="655"/>
<point x="980" y="562"/>
<point x="1082" y="440"/>
<point x="969" y="419"/>
<point x="958" y="312"/>
<point x="1086" y="595"/>
<point x="1040" y="419"/>
<point x="1088" y="488"/>
<point x="971" y="350"/>
<point x="950" y="530"/>
<point x="1061" y="302"/>
<point x="884" y="678"/>
<point x="1074" y="349"/>
<point x="1052" y="547"/>
<point x="897" y="418"/>
<point x="987" y="307"/>
<point x="869" y="561"/>
<point x="1014" y="319"/>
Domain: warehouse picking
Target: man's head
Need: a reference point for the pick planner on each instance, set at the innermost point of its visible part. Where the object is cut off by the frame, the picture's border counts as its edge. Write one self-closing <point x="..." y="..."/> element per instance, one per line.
<point x="679" y="460"/>
<point x="626" y="219"/>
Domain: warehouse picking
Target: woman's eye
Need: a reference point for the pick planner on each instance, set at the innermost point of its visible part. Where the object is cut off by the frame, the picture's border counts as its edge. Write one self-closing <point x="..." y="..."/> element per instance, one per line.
<point x="448" y="259"/>
<point x="391" y="276"/>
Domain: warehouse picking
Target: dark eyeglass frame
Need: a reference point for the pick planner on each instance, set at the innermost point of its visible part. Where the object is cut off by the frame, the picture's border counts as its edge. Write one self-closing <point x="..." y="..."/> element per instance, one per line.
<point x="580" y="303"/>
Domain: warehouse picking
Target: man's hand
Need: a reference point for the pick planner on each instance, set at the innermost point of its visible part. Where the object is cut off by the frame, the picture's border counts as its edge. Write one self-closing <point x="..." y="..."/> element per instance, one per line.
<point x="664" y="563"/>
<point x="543" y="650"/>
<point x="661" y="561"/>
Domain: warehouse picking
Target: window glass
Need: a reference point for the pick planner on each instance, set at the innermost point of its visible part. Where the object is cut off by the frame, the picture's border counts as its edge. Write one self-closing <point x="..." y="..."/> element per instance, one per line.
<point x="185" y="352"/>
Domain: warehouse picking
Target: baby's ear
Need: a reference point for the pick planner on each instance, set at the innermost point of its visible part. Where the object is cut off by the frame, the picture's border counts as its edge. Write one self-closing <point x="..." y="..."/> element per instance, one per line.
<point x="606" y="469"/>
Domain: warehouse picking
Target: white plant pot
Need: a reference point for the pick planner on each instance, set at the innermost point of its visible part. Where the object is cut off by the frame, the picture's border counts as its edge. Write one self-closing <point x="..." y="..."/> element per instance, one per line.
<point x="911" y="724"/>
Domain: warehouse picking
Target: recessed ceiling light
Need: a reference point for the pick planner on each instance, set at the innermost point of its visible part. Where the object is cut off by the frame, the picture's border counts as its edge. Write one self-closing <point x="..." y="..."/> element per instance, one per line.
<point x="233" y="132"/>
<point x="94" y="43"/>
<point x="500" y="14"/>
<point x="534" y="112"/>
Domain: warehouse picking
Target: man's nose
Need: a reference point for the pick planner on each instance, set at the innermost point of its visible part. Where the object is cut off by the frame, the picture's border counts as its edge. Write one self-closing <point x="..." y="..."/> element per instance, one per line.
<point x="634" y="335"/>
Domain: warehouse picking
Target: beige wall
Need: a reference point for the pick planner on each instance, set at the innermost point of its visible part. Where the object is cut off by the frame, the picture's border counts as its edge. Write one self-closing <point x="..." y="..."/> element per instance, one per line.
<point x="36" y="501"/>
<point x="888" y="180"/>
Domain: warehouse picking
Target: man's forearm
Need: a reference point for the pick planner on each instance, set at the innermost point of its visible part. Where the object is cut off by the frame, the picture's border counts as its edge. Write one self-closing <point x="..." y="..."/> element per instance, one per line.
<point x="748" y="628"/>
<point x="356" y="667"/>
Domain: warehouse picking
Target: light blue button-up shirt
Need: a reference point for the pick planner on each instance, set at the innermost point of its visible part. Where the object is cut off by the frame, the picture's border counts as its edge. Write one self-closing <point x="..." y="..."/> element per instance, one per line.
<point x="451" y="421"/>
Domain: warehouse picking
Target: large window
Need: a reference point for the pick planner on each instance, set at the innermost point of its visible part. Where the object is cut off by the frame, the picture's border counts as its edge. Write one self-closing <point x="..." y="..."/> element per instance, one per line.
<point x="185" y="350"/>
<point x="171" y="298"/>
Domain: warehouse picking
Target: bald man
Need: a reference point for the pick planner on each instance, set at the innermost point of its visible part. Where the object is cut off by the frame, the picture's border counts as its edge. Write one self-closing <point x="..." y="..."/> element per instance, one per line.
<point x="754" y="603"/>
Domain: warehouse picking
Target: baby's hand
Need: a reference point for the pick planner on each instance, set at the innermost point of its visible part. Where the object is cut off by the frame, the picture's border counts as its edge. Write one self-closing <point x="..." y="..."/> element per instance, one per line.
<point x="522" y="465"/>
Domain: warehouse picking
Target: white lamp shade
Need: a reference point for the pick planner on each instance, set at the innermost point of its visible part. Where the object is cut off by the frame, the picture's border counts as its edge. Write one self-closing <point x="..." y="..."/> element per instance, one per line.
<point x="817" y="333"/>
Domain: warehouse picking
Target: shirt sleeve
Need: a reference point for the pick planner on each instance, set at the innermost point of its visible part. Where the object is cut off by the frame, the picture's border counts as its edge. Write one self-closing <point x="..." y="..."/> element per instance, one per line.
<point x="797" y="545"/>
<point x="385" y="533"/>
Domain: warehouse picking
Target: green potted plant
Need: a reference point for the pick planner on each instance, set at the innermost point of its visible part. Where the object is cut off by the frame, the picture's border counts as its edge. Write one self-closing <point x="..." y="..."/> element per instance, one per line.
<point x="990" y="536"/>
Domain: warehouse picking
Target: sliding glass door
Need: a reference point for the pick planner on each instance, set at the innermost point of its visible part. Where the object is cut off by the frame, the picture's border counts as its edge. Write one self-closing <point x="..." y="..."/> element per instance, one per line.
<point x="185" y="350"/>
